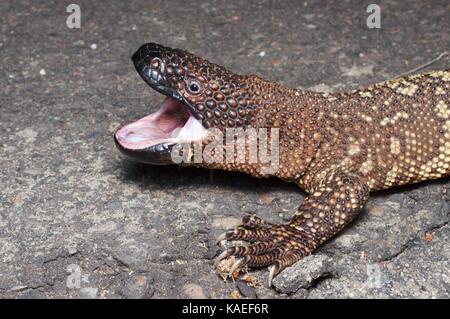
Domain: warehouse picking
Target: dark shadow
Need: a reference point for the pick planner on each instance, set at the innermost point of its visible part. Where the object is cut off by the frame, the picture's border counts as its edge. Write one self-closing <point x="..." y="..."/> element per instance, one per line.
<point x="173" y="176"/>
<point x="409" y="187"/>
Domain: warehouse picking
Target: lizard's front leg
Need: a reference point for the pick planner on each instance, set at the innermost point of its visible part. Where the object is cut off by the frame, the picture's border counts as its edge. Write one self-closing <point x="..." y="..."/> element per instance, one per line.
<point x="333" y="203"/>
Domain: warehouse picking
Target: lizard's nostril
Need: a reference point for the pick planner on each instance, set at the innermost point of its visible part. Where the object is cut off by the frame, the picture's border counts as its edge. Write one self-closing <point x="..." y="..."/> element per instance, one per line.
<point x="146" y="53"/>
<point x="156" y="62"/>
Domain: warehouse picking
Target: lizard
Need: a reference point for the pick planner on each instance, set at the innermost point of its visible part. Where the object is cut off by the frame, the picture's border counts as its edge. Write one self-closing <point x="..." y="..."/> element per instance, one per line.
<point x="337" y="147"/>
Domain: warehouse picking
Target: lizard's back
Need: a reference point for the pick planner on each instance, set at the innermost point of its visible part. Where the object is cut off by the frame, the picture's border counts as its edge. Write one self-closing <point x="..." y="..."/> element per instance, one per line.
<point x="392" y="133"/>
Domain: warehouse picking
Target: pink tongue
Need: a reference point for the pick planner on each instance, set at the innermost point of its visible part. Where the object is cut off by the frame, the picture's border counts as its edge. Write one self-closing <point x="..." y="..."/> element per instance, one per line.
<point x="143" y="129"/>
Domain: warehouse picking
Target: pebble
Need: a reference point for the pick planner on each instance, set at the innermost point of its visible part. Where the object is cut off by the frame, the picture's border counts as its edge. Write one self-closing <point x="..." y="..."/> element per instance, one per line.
<point x="245" y="289"/>
<point x="303" y="273"/>
<point x="137" y="286"/>
<point x="193" y="291"/>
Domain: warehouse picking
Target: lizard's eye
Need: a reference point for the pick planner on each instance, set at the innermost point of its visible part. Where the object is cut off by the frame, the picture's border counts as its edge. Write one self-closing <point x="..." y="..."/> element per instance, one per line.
<point x="193" y="86"/>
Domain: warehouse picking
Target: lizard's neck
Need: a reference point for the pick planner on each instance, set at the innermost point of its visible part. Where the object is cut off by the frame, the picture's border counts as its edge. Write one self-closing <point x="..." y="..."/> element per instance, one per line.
<point x="296" y="114"/>
<point x="291" y="121"/>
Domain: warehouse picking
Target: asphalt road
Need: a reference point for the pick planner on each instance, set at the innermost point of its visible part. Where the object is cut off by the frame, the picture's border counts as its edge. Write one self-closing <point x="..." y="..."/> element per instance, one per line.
<point x="77" y="219"/>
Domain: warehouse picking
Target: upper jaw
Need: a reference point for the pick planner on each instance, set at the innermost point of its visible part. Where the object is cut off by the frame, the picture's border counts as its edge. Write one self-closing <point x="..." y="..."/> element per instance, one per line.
<point x="157" y="79"/>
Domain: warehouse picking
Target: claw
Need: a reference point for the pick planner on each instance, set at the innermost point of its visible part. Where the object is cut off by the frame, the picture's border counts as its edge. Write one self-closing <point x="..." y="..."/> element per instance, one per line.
<point x="271" y="274"/>
<point x="221" y="237"/>
<point x="235" y="266"/>
<point x="226" y="234"/>
<point x="223" y="255"/>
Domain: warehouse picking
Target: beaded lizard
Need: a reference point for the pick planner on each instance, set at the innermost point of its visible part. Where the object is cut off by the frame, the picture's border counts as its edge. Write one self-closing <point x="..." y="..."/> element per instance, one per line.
<point x="338" y="147"/>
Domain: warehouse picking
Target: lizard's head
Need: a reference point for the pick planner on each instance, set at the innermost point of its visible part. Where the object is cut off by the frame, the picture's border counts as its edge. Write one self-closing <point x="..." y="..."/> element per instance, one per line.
<point x="199" y="95"/>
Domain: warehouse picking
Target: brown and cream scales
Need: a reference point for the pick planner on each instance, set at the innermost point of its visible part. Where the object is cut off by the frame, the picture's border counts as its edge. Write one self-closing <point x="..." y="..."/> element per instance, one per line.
<point x="338" y="147"/>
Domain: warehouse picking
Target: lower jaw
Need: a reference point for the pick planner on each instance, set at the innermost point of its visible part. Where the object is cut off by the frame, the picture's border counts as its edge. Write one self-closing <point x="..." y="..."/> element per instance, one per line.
<point x="159" y="154"/>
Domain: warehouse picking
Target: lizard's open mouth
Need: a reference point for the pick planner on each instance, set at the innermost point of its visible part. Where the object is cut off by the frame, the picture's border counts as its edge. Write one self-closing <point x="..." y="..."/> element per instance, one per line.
<point x="151" y="138"/>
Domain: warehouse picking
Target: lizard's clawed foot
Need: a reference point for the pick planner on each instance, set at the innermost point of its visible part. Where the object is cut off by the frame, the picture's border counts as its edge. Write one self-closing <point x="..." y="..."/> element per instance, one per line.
<point x="277" y="246"/>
